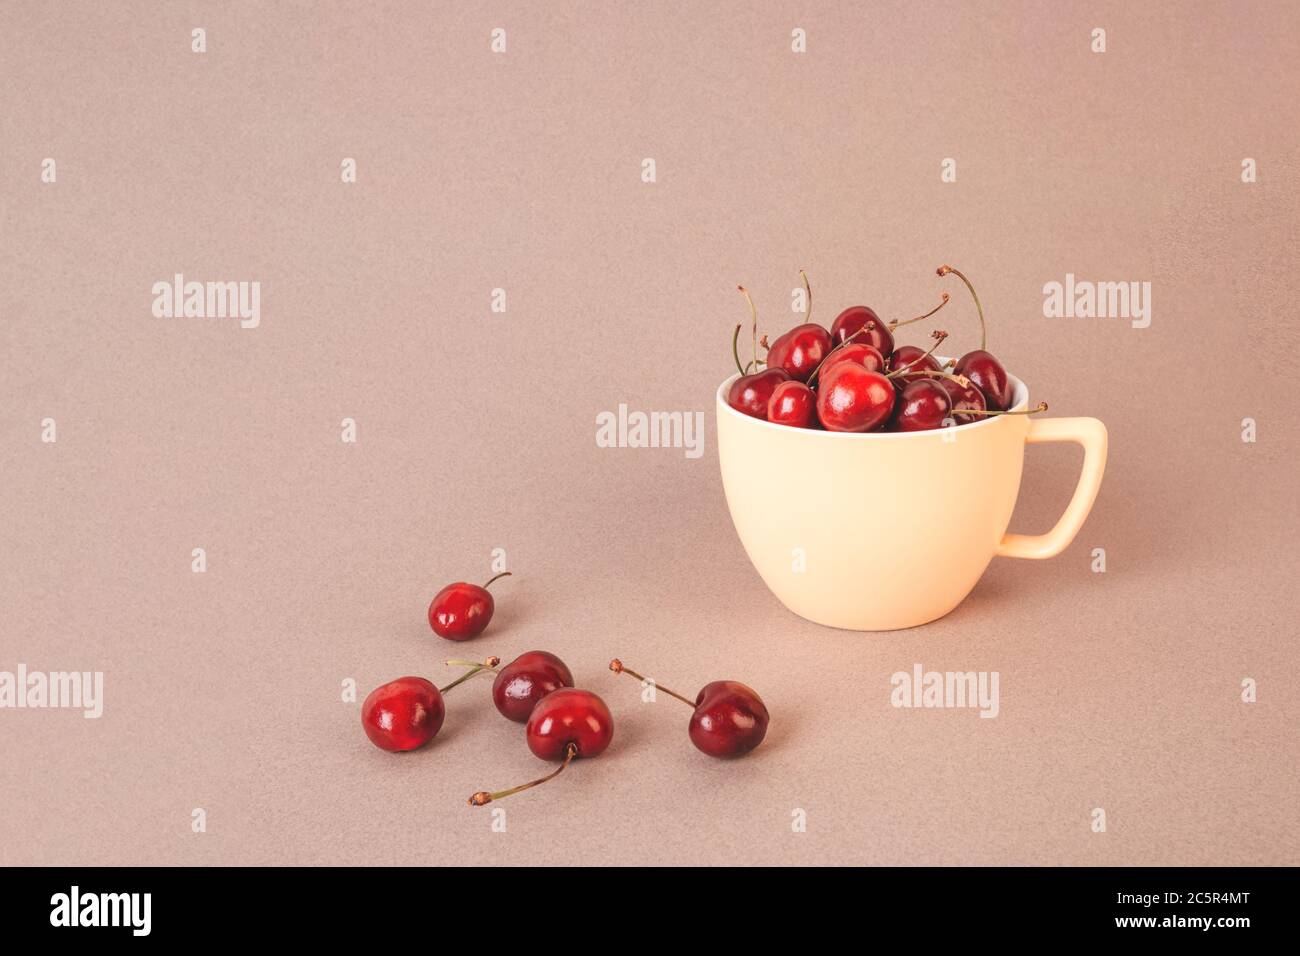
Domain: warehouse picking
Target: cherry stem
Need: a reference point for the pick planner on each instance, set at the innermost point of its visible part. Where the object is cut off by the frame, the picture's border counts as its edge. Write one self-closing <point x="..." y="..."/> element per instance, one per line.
<point x="984" y="332"/>
<point x="1041" y="407"/>
<point x="617" y="667"/>
<point x="735" y="350"/>
<point x="895" y="323"/>
<point x="482" y="797"/>
<point x="808" y="292"/>
<point x="938" y="340"/>
<point x="753" y="310"/>
<point x="503" y="574"/>
<point x="474" y="667"/>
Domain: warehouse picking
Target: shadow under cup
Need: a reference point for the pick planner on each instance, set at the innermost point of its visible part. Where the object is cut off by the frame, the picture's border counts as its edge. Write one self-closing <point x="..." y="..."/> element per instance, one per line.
<point x="881" y="531"/>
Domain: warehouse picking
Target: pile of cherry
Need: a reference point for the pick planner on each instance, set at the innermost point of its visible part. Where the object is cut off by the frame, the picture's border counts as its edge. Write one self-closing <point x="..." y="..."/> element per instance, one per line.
<point x="563" y="723"/>
<point x="853" y="379"/>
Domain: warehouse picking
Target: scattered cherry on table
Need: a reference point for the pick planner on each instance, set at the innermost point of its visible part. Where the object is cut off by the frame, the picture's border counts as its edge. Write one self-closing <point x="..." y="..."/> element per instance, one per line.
<point x="526" y="680"/>
<point x="461" y="611"/>
<point x="728" y="718"/>
<point x="405" y="714"/>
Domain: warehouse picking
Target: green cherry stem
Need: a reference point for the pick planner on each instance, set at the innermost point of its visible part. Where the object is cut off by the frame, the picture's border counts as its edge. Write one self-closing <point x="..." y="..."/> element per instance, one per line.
<point x="474" y="667"/>
<point x="984" y="332"/>
<point x="483" y="797"/>
<point x="735" y="350"/>
<point x="503" y="574"/>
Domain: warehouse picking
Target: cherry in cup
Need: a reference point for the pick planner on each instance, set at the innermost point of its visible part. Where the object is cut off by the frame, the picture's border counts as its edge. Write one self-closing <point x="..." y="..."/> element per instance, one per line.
<point x="865" y="355"/>
<point x="526" y="680"/>
<point x="565" y="725"/>
<point x="852" y="398"/>
<point x="751" y="393"/>
<point x="859" y="323"/>
<point x="405" y="714"/>
<point x="728" y="719"/>
<point x="461" y="611"/>
<point x="910" y="361"/>
<point x="980" y="366"/>
<point x="799" y="351"/>
<point x="922" y="405"/>
<point x="793" y="403"/>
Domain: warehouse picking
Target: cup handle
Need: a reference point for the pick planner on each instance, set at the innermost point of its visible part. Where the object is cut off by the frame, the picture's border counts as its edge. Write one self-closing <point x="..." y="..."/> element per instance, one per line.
<point x="1091" y="434"/>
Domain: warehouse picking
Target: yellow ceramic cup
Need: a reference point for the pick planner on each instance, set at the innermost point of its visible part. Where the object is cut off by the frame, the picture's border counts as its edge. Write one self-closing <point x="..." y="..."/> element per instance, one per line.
<point x="875" y="532"/>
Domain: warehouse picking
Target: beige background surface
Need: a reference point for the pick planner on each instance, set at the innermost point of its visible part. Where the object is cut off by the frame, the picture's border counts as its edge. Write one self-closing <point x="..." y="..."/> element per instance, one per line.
<point x="476" y="430"/>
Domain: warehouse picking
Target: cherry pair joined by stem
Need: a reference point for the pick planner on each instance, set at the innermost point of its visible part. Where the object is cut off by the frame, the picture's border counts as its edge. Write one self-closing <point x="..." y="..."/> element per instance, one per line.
<point x="407" y="713"/>
<point x="728" y="719"/>
<point x="461" y="611"/>
<point x="563" y="723"/>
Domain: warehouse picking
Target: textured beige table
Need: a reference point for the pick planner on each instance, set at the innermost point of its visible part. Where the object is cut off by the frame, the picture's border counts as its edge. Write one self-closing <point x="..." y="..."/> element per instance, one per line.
<point x="522" y="171"/>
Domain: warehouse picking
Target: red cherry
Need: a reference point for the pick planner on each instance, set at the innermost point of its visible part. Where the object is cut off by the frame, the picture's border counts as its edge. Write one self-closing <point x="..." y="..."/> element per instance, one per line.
<point x="850" y="323"/>
<point x="853" y="399"/>
<point x="564" y="725"/>
<point x="987" y="372"/>
<point x="461" y="611"/>
<point x="407" y="713"/>
<point x="923" y="405"/>
<point x="526" y="680"/>
<point x="728" y="718"/>
<point x="913" y="358"/>
<point x="569" y="717"/>
<point x="750" y="394"/>
<point x="865" y="355"/>
<point x="800" y="350"/>
<point x="403" y="714"/>
<point x="794" y="404"/>
<point x="964" y="398"/>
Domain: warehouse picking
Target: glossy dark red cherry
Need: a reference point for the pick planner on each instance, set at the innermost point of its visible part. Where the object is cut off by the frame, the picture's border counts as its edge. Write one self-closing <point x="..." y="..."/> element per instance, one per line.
<point x="913" y="358"/>
<point x="964" y="398"/>
<point x="564" y="725"/>
<point x="800" y="350"/>
<point x="865" y="355"/>
<point x="728" y="718"/>
<point x="861" y="324"/>
<point x="569" y="717"/>
<point x="408" y="712"/>
<point x="526" y="680"/>
<point x="403" y="714"/>
<point x="750" y="394"/>
<point x="852" y="398"/>
<point x="988" y="374"/>
<point x="922" y="405"/>
<point x="794" y="404"/>
<point x="461" y="611"/>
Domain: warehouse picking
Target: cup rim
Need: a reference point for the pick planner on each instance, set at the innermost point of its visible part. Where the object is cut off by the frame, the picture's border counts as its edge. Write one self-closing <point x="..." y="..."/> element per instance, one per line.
<point x="1019" y="401"/>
